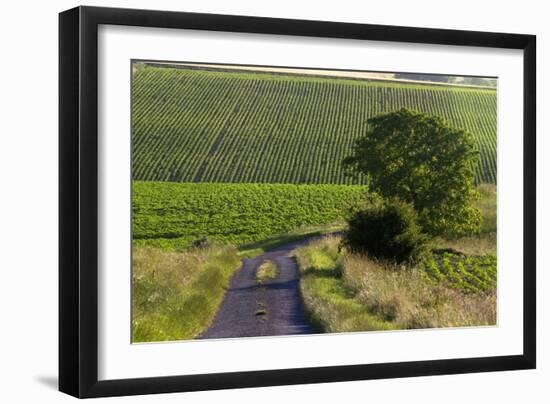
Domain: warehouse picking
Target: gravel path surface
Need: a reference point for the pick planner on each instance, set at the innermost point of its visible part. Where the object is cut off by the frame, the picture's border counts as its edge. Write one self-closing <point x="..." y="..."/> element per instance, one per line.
<point x="273" y="308"/>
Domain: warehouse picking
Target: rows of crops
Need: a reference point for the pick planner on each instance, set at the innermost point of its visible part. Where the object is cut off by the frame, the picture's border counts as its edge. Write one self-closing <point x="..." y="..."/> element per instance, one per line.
<point x="174" y="215"/>
<point x="216" y="126"/>
<point x="463" y="272"/>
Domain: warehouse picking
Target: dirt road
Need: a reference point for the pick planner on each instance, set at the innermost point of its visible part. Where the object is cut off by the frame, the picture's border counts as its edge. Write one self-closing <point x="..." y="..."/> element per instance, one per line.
<point x="272" y="308"/>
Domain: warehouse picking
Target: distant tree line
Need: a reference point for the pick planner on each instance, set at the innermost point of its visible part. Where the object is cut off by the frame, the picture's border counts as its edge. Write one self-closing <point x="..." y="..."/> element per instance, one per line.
<point x="441" y="78"/>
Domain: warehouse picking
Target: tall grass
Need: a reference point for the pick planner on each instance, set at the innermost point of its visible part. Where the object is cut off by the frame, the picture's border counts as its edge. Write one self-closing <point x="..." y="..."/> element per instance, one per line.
<point x="175" y="295"/>
<point x="405" y="297"/>
<point x="349" y="292"/>
<point x="329" y="302"/>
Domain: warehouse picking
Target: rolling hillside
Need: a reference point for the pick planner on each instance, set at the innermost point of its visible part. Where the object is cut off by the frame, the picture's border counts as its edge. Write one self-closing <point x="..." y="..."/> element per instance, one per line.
<point x="242" y="127"/>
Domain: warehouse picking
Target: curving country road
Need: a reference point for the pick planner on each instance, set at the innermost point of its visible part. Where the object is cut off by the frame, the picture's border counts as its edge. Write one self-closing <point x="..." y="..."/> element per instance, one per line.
<point x="273" y="308"/>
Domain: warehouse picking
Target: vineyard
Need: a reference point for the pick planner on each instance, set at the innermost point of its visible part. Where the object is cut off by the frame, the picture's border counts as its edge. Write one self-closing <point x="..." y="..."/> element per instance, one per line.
<point x="235" y="127"/>
<point x="174" y="216"/>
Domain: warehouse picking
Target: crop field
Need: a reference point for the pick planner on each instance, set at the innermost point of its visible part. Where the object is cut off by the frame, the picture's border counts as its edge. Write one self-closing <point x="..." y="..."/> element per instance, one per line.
<point x="463" y="272"/>
<point x="174" y="215"/>
<point x="235" y="127"/>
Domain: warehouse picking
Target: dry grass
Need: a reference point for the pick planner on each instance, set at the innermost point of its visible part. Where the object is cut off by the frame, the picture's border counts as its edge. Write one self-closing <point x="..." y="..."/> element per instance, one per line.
<point x="266" y="271"/>
<point x="408" y="299"/>
<point x="166" y="268"/>
<point x="475" y="245"/>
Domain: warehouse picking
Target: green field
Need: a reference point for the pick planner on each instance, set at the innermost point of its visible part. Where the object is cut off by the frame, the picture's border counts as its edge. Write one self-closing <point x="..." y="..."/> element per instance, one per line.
<point x="463" y="272"/>
<point x="174" y="215"/>
<point x="235" y="127"/>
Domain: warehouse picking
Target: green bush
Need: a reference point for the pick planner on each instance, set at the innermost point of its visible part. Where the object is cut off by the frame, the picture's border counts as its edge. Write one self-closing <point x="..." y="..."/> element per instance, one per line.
<point x="389" y="230"/>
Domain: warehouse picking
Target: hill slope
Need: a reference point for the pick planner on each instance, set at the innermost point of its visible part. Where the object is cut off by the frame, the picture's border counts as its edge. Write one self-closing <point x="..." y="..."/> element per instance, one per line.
<point x="218" y="126"/>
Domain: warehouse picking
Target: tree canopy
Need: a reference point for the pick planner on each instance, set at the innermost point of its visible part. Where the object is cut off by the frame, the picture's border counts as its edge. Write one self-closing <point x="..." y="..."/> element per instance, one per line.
<point x="424" y="161"/>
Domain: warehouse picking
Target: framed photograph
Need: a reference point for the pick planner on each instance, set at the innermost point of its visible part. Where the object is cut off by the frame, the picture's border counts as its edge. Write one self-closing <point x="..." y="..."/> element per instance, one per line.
<point x="251" y="201"/>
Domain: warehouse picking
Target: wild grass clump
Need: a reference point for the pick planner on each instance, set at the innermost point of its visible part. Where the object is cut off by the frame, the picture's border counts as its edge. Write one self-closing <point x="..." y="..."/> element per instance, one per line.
<point x="266" y="271"/>
<point x="321" y="255"/>
<point x="175" y="295"/>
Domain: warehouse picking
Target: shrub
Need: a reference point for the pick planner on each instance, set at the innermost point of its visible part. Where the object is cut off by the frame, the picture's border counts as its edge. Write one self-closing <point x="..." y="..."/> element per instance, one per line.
<point x="389" y="230"/>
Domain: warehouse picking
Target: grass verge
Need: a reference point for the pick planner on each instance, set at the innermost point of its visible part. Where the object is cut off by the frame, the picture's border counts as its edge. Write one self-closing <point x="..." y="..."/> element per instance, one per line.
<point x="330" y="303"/>
<point x="175" y="295"/>
<point x="348" y="292"/>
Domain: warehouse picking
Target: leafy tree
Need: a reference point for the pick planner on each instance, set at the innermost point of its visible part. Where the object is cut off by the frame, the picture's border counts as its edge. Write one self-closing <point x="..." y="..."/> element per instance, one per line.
<point x="422" y="160"/>
<point x="437" y="78"/>
<point x="480" y="81"/>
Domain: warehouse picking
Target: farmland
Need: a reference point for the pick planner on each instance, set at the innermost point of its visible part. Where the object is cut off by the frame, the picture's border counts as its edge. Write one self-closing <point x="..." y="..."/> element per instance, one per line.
<point x="173" y="215"/>
<point x="462" y="272"/>
<point x="242" y="127"/>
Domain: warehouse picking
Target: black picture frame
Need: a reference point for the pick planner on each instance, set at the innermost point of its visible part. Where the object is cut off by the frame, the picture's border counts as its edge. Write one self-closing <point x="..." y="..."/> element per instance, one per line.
<point x="78" y="201"/>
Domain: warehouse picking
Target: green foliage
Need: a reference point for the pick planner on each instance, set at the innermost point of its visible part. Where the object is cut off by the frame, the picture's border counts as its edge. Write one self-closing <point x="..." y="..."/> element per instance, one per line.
<point x="422" y="160"/>
<point x="219" y="126"/>
<point x="389" y="231"/>
<point x="174" y="215"/>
